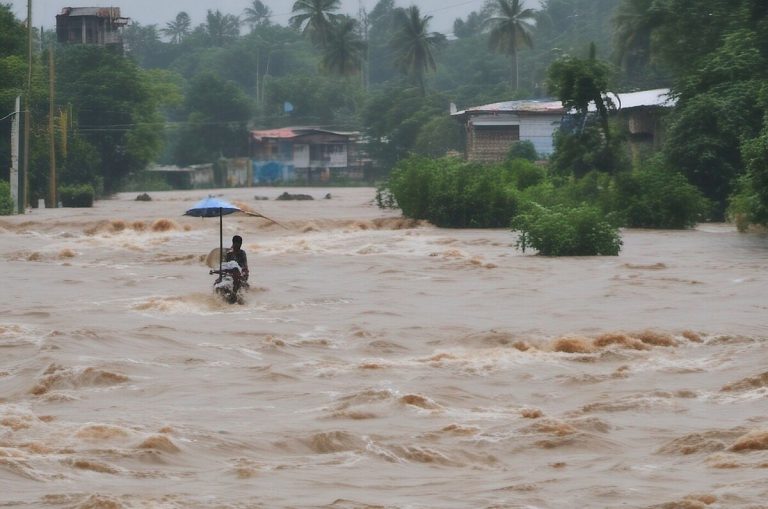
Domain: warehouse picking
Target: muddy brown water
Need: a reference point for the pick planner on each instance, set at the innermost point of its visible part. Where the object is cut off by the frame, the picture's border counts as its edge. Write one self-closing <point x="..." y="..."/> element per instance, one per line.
<point x="377" y="362"/>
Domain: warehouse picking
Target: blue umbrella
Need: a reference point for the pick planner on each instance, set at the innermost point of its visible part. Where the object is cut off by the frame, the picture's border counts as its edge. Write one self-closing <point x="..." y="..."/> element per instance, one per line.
<point x="212" y="207"/>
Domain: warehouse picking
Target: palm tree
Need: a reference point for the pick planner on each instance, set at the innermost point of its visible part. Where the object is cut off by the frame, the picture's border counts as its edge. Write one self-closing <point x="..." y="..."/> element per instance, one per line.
<point x="315" y="18"/>
<point x="221" y="28"/>
<point x="257" y="14"/>
<point x="413" y="44"/>
<point x="634" y="23"/>
<point x="344" y="50"/>
<point x="511" y="29"/>
<point x="179" y="28"/>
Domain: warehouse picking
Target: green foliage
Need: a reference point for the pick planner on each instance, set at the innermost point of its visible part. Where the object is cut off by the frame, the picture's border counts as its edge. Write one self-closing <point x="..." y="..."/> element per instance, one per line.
<point x="6" y="200"/>
<point x="413" y="45"/>
<point x="77" y="195"/>
<point x="566" y="231"/>
<point x="525" y="173"/>
<point x="522" y="150"/>
<point x="216" y="123"/>
<point x="451" y="193"/>
<point x="580" y="152"/>
<point x="114" y="109"/>
<point x="657" y="197"/>
<point x="749" y="205"/>
<point x="438" y="136"/>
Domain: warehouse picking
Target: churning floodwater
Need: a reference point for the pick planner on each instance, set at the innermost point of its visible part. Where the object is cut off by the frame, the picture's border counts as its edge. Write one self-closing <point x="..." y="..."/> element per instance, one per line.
<point x="377" y="362"/>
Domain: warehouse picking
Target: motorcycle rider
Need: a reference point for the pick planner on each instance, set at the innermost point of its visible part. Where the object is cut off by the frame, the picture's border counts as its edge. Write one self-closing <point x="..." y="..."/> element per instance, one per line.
<point x="237" y="254"/>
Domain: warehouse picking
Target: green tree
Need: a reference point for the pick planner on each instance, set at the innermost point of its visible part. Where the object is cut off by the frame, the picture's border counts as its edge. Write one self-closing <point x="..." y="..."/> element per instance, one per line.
<point x="414" y="45"/>
<point x="511" y="30"/>
<point x="114" y="109"/>
<point x="315" y="18"/>
<point x="13" y="72"/>
<point x="179" y="28"/>
<point x="343" y="53"/>
<point x="257" y="14"/>
<point x="218" y="112"/>
<point x="635" y="22"/>
<point x="221" y="28"/>
<point x="380" y="32"/>
<point x="715" y="114"/>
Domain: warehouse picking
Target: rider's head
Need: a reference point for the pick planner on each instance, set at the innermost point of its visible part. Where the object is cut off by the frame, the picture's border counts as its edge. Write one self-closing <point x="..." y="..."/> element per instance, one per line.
<point x="237" y="241"/>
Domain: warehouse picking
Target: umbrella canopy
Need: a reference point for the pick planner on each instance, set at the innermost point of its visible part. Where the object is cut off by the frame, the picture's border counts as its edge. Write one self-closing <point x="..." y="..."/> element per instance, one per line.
<point x="212" y="207"/>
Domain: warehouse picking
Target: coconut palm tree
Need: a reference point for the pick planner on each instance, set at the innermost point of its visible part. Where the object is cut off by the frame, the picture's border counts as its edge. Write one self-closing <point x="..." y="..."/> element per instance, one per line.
<point x="257" y="14"/>
<point x="511" y="30"/>
<point x="179" y="28"/>
<point x="634" y="23"/>
<point x="221" y="28"/>
<point x="344" y="49"/>
<point x="315" y="18"/>
<point x="414" y="45"/>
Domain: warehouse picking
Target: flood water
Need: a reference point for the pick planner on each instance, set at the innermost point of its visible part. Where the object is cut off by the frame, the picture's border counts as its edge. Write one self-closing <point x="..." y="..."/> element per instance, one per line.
<point x="377" y="362"/>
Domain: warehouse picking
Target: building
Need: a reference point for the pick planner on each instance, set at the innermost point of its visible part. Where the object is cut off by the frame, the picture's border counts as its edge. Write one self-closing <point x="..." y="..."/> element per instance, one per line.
<point x="641" y="114"/>
<point x="90" y="25"/>
<point x="493" y="128"/>
<point x="306" y="154"/>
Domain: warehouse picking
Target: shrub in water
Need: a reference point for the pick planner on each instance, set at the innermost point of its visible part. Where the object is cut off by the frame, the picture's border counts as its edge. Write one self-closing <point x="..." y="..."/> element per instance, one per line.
<point x="566" y="231"/>
<point x="451" y="193"/>
<point x="77" y="196"/>
<point x="6" y="202"/>
<point x="656" y="197"/>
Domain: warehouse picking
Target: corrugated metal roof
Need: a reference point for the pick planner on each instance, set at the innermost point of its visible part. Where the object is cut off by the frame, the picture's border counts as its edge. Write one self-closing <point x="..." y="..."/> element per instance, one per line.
<point x="526" y="106"/>
<point x="646" y="98"/>
<point x="287" y="133"/>
<point x="101" y="12"/>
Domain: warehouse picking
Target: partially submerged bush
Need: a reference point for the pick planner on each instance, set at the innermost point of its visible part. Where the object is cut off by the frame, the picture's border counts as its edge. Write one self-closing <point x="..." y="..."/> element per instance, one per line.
<point x="566" y="231"/>
<point x="451" y="193"/>
<point x="656" y="197"/>
<point x="6" y="201"/>
<point x="77" y="196"/>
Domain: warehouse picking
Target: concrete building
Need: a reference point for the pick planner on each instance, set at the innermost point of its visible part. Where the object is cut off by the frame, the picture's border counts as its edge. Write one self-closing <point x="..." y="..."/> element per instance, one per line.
<point x="304" y="153"/>
<point x="493" y="128"/>
<point x="90" y="25"/>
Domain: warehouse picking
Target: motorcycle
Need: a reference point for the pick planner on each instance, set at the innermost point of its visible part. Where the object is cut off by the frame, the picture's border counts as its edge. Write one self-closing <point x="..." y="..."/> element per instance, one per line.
<point x="230" y="283"/>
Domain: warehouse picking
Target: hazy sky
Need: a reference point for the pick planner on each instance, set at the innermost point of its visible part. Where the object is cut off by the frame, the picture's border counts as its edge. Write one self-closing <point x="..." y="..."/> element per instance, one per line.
<point x="160" y="11"/>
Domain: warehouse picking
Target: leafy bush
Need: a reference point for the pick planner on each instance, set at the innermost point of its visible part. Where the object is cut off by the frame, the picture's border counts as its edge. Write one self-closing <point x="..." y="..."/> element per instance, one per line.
<point x="749" y="205"/>
<point x="451" y="193"/>
<point x="6" y="201"/>
<point x="77" y="196"/>
<point x="522" y="150"/>
<point x="656" y="197"/>
<point x="566" y="231"/>
<point x="525" y="173"/>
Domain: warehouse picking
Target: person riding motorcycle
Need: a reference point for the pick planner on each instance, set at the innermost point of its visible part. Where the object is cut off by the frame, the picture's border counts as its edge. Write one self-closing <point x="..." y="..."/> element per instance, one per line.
<point x="237" y="254"/>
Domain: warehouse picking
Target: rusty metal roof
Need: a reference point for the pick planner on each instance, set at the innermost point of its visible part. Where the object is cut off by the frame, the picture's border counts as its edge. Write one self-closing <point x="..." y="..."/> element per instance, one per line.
<point x="525" y="106"/>
<point x="287" y="133"/>
<point x="99" y="12"/>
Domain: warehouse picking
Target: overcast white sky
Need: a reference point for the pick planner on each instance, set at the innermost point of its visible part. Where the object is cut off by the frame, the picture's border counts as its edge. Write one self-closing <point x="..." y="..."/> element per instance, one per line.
<point x="161" y="11"/>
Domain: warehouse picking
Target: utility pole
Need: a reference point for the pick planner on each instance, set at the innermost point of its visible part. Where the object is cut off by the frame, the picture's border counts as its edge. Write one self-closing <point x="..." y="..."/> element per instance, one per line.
<point x="15" y="157"/>
<point x="51" y="127"/>
<point x="27" y="106"/>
